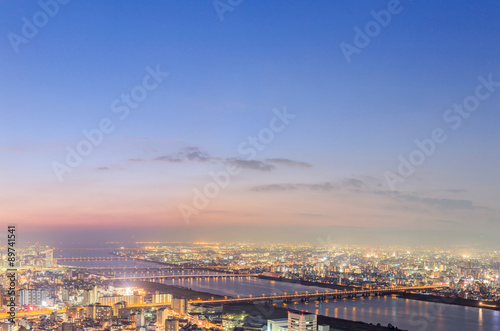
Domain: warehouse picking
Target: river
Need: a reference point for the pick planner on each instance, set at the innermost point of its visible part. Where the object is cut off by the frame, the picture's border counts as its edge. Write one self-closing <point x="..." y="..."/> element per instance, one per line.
<point x="403" y="313"/>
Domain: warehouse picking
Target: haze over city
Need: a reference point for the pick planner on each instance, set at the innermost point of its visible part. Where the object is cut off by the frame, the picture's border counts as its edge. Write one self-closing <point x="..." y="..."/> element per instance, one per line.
<point x="239" y="165"/>
<point x="331" y="132"/>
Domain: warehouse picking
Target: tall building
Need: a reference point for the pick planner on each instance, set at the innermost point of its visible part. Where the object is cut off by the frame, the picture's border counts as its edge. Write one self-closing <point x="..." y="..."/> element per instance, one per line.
<point x="117" y="306"/>
<point x="49" y="257"/>
<point x="99" y="312"/>
<point x="179" y="305"/>
<point x="161" y="298"/>
<point x="140" y="320"/>
<point x="161" y="316"/>
<point x="128" y="299"/>
<point x="302" y="321"/>
<point x="65" y="294"/>
<point x="90" y="296"/>
<point x="277" y="324"/>
<point x="171" y="325"/>
<point x="32" y="297"/>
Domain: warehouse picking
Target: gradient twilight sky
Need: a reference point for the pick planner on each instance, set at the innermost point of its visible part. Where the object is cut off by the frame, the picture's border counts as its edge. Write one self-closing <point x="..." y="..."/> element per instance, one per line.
<point x="323" y="174"/>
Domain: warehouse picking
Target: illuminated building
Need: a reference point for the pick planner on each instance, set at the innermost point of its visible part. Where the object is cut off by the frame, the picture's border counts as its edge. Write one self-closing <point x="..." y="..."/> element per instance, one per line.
<point x="117" y="306"/>
<point x="277" y="324"/>
<point x="302" y="321"/>
<point x="90" y="296"/>
<point x="128" y="299"/>
<point x="99" y="312"/>
<point x="179" y="305"/>
<point x="32" y="297"/>
<point x="171" y="325"/>
<point x="161" y="316"/>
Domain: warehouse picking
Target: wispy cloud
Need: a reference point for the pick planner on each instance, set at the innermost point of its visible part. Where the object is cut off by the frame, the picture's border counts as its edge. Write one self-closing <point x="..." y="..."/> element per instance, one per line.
<point x="196" y="154"/>
<point x="289" y="162"/>
<point x="251" y="164"/>
<point x="368" y="186"/>
<point x="349" y="183"/>
<point x="186" y="154"/>
<point x="441" y="203"/>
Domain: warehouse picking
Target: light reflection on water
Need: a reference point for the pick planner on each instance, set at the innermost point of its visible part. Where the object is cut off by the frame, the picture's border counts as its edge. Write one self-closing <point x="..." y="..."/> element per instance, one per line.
<point x="403" y="313"/>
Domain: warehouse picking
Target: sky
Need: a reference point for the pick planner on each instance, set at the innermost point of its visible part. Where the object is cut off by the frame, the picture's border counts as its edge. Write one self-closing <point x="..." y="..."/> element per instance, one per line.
<point x="366" y="121"/>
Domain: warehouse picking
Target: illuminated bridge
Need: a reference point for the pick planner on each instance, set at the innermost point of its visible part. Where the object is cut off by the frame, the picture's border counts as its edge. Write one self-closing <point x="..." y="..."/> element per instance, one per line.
<point x="84" y="249"/>
<point x="106" y="271"/>
<point x="322" y="295"/>
<point x="96" y="258"/>
<point x="185" y="276"/>
<point x="119" y="269"/>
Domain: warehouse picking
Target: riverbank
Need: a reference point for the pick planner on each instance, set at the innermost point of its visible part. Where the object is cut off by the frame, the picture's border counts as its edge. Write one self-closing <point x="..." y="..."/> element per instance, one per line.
<point x="179" y="266"/>
<point x="176" y="291"/>
<point x="265" y="311"/>
<point x="412" y="296"/>
<point x="272" y="312"/>
<point x="309" y="283"/>
<point x="451" y="301"/>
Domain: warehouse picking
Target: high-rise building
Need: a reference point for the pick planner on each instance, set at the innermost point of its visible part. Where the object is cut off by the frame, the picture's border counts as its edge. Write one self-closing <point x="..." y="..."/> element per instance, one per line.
<point x="302" y="321"/>
<point x="140" y="320"/>
<point x="90" y="296"/>
<point x="161" y="316"/>
<point x="125" y="313"/>
<point x="49" y="257"/>
<point x="117" y="306"/>
<point x="128" y="299"/>
<point x="32" y="297"/>
<point x="65" y="294"/>
<point x="171" y="325"/>
<point x="179" y="305"/>
<point x="99" y="312"/>
<point x="277" y="324"/>
<point x="161" y="298"/>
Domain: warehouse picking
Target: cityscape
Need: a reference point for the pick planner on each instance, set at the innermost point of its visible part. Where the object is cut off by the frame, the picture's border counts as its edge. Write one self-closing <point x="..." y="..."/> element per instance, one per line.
<point x="177" y="286"/>
<point x="241" y="165"/>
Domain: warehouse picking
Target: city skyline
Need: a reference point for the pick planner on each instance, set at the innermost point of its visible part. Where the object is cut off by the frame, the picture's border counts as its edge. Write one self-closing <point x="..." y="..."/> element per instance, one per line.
<point x="295" y="122"/>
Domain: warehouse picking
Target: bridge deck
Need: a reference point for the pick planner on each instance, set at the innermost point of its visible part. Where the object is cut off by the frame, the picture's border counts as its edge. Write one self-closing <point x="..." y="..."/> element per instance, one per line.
<point x="320" y="294"/>
<point x="184" y="276"/>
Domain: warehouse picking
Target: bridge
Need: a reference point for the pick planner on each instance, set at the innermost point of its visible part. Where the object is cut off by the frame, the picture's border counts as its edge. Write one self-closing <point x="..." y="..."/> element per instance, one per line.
<point x="95" y="258"/>
<point x="321" y="295"/>
<point x="184" y="276"/>
<point x="85" y="249"/>
<point x="112" y="269"/>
